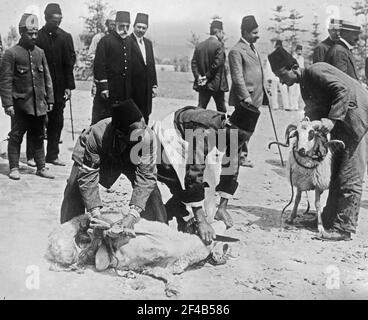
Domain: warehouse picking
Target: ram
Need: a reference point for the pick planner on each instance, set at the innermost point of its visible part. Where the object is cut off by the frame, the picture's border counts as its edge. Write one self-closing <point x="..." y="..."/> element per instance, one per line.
<point x="309" y="163"/>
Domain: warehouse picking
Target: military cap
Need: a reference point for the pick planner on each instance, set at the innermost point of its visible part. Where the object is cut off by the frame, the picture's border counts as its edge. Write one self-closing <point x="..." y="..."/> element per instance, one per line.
<point x="52" y="8"/>
<point x="349" y="26"/>
<point x="335" y="24"/>
<point x="217" y="24"/>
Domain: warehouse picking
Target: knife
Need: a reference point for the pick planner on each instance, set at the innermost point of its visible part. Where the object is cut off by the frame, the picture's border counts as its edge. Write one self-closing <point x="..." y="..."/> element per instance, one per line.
<point x="225" y="238"/>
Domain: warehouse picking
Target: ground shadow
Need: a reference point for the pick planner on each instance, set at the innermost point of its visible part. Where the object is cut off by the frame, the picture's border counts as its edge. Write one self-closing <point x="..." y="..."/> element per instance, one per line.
<point x="278" y="168"/>
<point x="270" y="219"/>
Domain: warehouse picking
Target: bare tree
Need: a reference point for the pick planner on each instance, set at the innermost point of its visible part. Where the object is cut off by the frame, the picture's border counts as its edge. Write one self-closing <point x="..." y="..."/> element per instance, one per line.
<point x="279" y="19"/>
<point x="293" y="30"/>
<point x="314" y="41"/>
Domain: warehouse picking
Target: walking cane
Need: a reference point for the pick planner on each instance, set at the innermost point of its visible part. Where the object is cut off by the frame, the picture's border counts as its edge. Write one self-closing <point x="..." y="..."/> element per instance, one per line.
<point x="277" y="139"/>
<point x="71" y="117"/>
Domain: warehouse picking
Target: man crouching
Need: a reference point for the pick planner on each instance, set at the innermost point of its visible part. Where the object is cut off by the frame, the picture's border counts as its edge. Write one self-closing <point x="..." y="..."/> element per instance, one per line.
<point x="101" y="154"/>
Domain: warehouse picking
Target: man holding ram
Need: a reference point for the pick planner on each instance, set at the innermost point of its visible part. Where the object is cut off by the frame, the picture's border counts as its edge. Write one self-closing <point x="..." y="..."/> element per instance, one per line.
<point x="337" y="104"/>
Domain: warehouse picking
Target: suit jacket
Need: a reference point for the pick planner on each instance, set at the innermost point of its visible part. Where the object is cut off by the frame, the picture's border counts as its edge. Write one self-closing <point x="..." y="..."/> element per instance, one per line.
<point x="25" y="81"/>
<point x="246" y="75"/>
<point x="112" y="67"/>
<point x="209" y="60"/>
<point x="60" y="55"/>
<point x="330" y="93"/>
<point x="144" y="76"/>
<point x="102" y="158"/>
<point x="342" y="58"/>
<point x="320" y="51"/>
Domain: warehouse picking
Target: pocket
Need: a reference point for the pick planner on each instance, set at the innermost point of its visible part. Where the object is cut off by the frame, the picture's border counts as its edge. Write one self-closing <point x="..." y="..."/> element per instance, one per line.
<point x="22" y="70"/>
<point x="40" y="68"/>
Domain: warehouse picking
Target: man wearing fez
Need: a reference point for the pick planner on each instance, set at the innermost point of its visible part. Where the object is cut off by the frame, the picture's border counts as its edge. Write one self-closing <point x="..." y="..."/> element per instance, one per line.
<point x="112" y="67"/>
<point x="338" y="104"/>
<point x="59" y="50"/>
<point x="208" y="67"/>
<point x="27" y="95"/>
<point x="320" y="51"/>
<point x="340" y="54"/>
<point x="144" y="78"/>
<point x="248" y="87"/>
<point x="102" y="153"/>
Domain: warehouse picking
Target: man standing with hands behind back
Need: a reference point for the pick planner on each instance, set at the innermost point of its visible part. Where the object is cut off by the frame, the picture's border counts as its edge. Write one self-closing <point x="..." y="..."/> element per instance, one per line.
<point x="144" y="77"/>
<point x="208" y="67"/>
<point x="246" y="70"/>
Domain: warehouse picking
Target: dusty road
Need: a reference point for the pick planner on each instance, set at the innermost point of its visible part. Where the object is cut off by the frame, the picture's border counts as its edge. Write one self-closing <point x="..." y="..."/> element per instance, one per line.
<point x="273" y="263"/>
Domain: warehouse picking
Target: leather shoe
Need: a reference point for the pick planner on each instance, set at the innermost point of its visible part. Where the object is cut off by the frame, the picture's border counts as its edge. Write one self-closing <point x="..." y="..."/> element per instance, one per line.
<point x="56" y="162"/>
<point x="44" y="173"/>
<point x="14" y="174"/>
<point x="31" y="163"/>
<point x="335" y="235"/>
<point x="244" y="162"/>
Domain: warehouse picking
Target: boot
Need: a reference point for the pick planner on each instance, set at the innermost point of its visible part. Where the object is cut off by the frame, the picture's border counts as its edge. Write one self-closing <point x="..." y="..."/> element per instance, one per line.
<point x="44" y="173"/>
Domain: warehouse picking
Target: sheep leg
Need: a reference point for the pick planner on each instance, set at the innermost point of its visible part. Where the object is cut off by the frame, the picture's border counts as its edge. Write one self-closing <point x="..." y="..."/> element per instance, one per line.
<point x="172" y="288"/>
<point x="317" y="204"/>
<point x="292" y="217"/>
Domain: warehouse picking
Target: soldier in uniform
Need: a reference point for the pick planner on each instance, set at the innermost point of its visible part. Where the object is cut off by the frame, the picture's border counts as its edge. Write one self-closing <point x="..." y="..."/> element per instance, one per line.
<point x="27" y="95"/>
<point x="112" y="67"/>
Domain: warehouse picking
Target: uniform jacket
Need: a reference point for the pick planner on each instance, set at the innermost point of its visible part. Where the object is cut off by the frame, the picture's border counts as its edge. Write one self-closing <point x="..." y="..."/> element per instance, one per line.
<point x="330" y="93"/>
<point x="112" y="66"/>
<point x="102" y="157"/>
<point x="320" y="51"/>
<point x="246" y="75"/>
<point x="25" y="81"/>
<point x="206" y="124"/>
<point x="342" y="58"/>
<point x="209" y="60"/>
<point x="60" y="55"/>
<point x="144" y="76"/>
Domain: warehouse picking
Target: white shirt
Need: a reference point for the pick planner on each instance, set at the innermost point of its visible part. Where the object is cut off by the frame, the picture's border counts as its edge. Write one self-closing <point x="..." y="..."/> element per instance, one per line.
<point x="142" y="47"/>
<point x="300" y="60"/>
<point x="249" y="45"/>
<point x="350" y="47"/>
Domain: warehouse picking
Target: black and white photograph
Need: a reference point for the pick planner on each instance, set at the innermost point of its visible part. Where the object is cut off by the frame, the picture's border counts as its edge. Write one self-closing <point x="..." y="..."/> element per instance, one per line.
<point x="183" y="150"/>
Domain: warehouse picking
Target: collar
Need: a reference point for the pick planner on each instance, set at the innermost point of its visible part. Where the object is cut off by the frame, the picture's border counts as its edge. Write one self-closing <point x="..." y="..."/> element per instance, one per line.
<point x="350" y="47"/>
<point x="245" y="41"/>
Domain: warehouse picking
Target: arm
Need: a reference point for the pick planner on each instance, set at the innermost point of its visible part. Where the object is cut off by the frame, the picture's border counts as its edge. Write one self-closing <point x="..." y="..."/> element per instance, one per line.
<point x="218" y="61"/>
<point x="194" y="65"/>
<point x="6" y="79"/>
<point x="100" y="67"/>
<point x="69" y="61"/>
<point x="338" y="59"/>
<point x="319" y="54"/>
<point x="48" y="81"/>
<point x="237" y="77"/>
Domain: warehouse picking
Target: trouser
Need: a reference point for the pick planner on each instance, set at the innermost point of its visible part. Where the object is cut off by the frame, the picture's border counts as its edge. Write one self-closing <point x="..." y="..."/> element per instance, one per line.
<point x="205" y="97"/>
<point x="34" y="126"/>
<point x="343" y="203"/>
<point x="73" y="204"/>
<point x="54" y="126"/>
<point x="294" y="95"/>
<point x="101" y="109"/>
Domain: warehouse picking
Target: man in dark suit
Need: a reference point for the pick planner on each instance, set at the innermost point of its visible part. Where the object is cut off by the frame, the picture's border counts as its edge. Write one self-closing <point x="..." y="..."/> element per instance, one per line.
<point x="208" y="67"/>
<point x="144" y="78"/>
<point x="338" y="104"/>
<point x="320" y="51"/>
<point x="248" y="82"/>
<point x="112" y="67"/>
<point x="60" y="55"/>
<point x="340" y="54"/>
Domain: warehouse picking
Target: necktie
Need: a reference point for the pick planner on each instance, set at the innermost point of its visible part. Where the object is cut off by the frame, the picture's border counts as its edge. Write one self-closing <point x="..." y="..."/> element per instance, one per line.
<point x="252" y="47"/>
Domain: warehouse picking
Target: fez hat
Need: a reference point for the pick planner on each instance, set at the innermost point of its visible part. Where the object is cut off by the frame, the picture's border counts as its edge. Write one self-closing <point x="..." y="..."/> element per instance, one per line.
<point x="245" y="118"/>
<point x="52" y="8"/>
<point x="249" y="23"/>
<point x="216" y="24"/>
<point x="122" y="16"/>
<point x="124" y="113"/>
<point x="335" y="24"/>
<point x="141" y="18"/>
<point x="29" y="22"/>
<point x="280" y="58"/>
<point x="299" y="47"/>
<point x="349" y="26"/>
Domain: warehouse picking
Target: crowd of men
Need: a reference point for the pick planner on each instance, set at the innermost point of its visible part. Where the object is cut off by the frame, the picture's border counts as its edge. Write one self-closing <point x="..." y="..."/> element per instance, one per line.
<point x="36" y="80"/>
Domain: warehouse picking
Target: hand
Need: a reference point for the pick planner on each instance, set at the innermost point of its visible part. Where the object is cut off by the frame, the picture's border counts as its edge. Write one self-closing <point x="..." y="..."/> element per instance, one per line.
<point x="248" y="100"/>
<point x="105" y="94"/>
<point x="50" y="107"/>
<point x="206" y="232"/>
<point x="202" y="81"/>
<point x="224" y="216"/>
<point x="154" y="92"/>
<point x="67" y="94"/>
<point x="128" y="222"/>
<point x="324" y="125"/>
<point x="10" y="111"/>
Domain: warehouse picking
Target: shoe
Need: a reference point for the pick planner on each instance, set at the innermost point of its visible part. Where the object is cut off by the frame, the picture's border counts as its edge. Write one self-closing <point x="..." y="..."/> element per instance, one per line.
<point x="244" y="162"/>
<point x="31" y="163"/>
<point x="60" y="141"/>
<point x="44" y="173"/>
<point x="335" y="235"/>
<point x="56" y="162"/>
<point x="14" y="174"/>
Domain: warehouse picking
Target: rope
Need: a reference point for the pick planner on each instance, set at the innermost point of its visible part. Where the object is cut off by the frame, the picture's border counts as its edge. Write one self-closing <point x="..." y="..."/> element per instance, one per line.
<point x="290" y="202"/>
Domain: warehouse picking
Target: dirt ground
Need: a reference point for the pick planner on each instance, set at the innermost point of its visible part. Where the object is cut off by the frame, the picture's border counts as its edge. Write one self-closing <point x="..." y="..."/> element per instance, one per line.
<point x="273" y="263"/>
